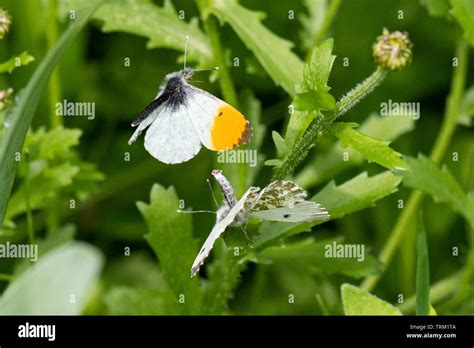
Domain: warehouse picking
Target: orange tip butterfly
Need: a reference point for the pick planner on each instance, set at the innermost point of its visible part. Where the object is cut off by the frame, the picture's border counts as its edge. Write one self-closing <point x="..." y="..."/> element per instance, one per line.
<point x="182" y="118"/>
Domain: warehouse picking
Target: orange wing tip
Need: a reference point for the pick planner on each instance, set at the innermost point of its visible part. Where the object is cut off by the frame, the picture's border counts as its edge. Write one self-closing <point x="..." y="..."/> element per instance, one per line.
<point x="230" y="129"/>
<point x="247" y="134"/>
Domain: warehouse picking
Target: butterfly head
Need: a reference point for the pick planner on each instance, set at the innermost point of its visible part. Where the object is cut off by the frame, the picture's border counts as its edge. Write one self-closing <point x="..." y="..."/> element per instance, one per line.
<point x="187" y="73"/>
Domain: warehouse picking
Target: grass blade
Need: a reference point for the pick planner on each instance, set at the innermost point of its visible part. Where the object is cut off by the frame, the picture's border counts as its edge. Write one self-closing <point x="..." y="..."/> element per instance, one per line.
<point x="23" y="112"/>
<point x="422" y="272"/>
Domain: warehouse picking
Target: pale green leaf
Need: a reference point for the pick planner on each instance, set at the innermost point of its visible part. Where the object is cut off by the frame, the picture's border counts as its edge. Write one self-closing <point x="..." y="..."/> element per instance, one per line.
<point x="316" y="72"/>
<point x="161" y="25"/>
<point x="312" y="93"/>
<point x="15" y="62"/>
<point x="319" y="255"/>
<point x="272" y="163"/>
<point x="463" y="11"/>
<point x="280" y="144"/>
<point x="171" y="238"/>
<point x="327" y="165"/>
<point x="373" y="150"/>
<point x="314" y="100"/>
<point x="425" y="176"/>
<point x="356" y="194"/>
<point x="357" y="301"/>
<point x="466" y="113"/>
<point x="45" y="288"/>
<point x="313" y="21"/>
<point x="51" y="144"/>
<point x="273" y="52"/>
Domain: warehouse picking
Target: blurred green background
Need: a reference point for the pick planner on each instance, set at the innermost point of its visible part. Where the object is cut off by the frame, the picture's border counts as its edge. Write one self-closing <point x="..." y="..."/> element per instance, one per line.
<point x="93" y="70"/>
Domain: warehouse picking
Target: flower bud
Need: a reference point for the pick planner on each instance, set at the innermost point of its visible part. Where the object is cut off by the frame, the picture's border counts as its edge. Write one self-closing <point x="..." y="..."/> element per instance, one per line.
<point x="392" y="51"/>
<point x="5" y="22"/>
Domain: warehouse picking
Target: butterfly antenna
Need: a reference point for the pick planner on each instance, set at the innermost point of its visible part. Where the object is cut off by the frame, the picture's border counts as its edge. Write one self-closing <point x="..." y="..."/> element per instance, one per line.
<point x="195" y="211"/>
<point x="212" y="193"/>
<point x="185" y="50"/>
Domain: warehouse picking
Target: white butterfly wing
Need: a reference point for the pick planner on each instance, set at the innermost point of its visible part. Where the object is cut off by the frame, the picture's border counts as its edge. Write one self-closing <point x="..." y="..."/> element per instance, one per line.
<point x="219" y="125"/>
<point x="216" y="232"/>
<point x="172" y="137"/>
<point x="145" y="123"/>
<point x="301" y="212"/>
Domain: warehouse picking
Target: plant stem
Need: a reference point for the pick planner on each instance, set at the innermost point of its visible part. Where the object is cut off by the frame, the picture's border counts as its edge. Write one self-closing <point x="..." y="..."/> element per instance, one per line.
<point x="322" y="122"/>
<point x="54" y="85"/>
<point x="327" y="21"/>
<point x="438" y="292"/>
<point x="225" y="79"/>
<point x="356" y="94"/>
<point x="29" y="215"/>
<point x="444" y="137"/>
<point x="6" y="277"/>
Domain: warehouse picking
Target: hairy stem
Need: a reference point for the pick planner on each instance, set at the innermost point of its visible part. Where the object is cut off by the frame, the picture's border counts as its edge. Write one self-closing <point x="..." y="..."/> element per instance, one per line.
<point x="444" y="137"/>
<point x="322" y="122"/>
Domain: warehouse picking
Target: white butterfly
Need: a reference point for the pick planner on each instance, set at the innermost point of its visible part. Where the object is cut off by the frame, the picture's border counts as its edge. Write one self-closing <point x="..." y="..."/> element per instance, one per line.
<point x="279" y="201"/>
<point x="183" y="118"/>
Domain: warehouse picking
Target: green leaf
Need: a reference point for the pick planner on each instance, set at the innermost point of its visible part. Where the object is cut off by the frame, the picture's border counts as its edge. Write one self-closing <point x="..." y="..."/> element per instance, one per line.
<point x="125" y="300"/>
<point x="373" y="150"/>
<point x="272" y="163"/>
<point x="171" y="233"/>
<point x="53" y="169"/>
<point x="317" y="70"/>
<point x="312" y="94"/>
<point x="23" y="112"/>
<point x="46" y="287"/>
<point x="280" y="144"/>
<point x="312" y="23"/>
<point x="356" y="194"/>
<point x="422" y="272"/>
<point x="273" y="52"/>
<point x="327" y="165"/>
<point x="463" y="11"/>
<point x="54" y="143"/>
<point x="312" y="255"/>
<point x="424" y="175"/>
<point x="466" y="113"/>
<point x="15" y="62"/>
<point x="223" y="274"/>
<point x="437" y="8"/>
<point x="312" y="100"/>
<point x="357" y="301"/>
<point x="161" y="25"/>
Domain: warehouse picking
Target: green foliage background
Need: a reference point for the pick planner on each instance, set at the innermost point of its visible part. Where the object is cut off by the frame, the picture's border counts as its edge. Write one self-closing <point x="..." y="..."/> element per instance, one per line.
<point x="75" y="192"/>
